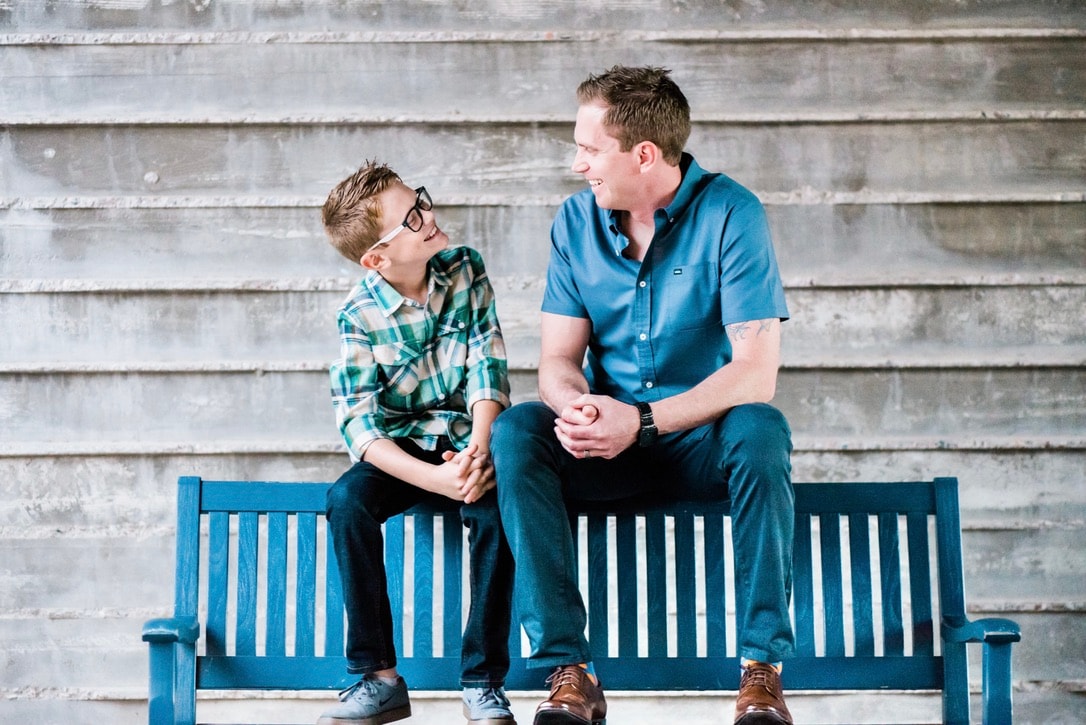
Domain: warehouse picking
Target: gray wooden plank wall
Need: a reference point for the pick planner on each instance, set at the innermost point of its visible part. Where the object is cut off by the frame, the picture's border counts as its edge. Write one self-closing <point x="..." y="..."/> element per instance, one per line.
<point x="166" y="294"/>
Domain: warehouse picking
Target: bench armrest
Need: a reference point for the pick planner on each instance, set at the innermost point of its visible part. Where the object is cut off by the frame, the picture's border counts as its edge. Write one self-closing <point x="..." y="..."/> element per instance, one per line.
<point x="990" y="630"/>
<point x="997" y="635"/>
<point x="184" y="630"/>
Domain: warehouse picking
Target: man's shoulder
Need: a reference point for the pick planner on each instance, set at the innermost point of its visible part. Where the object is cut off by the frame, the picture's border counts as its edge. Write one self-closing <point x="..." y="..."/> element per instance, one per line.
<point x="720" y="188"/>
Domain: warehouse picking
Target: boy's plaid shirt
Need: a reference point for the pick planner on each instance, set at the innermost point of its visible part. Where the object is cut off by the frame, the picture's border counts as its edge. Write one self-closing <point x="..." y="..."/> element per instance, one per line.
<point x="413" y="371"/>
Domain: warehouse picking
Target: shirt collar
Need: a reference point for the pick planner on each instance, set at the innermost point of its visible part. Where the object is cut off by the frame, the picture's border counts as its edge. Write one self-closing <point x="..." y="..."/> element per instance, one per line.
<point x="692" y="174"/>
<point x="389" y="300"/>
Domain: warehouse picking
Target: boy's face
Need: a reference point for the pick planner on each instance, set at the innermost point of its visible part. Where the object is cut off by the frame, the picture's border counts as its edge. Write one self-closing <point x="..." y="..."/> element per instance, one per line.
<point x="397" y="201"/>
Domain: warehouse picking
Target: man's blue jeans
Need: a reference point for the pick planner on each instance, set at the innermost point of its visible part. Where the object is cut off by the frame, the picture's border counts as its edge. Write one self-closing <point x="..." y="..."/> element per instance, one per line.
<point x="358" y="503"/>
<point x="744" y="456"/>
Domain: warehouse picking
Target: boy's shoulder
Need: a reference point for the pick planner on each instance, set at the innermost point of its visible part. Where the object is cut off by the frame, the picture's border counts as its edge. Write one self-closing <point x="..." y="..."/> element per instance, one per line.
<point x="452" y="258"/>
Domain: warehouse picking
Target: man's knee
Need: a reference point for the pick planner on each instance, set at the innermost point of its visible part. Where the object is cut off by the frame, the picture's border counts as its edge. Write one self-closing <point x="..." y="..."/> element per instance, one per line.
<point x="517" y="424"/>
<point x="759" y="425"/>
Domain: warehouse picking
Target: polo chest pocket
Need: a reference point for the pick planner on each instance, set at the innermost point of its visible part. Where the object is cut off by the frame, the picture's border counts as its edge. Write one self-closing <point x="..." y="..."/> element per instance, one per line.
<point x="691" y="296"/>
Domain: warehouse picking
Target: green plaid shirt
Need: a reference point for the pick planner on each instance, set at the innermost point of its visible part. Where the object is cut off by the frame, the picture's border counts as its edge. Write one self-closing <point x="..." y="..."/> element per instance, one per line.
<point x="414" y="371"/>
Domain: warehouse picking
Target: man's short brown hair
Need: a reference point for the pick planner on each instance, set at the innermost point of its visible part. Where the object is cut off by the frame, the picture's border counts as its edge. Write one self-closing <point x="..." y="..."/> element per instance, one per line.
<point x="643" y="104"/>
<point x="352" y="213"/>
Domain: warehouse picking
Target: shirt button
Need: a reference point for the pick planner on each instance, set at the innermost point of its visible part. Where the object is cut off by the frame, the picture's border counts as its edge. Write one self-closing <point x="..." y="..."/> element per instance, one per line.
<point x="642" y="283"/>
<point x="648" y="385"/>
<point x="461" y="325"/>
<point x="643" y="336"/>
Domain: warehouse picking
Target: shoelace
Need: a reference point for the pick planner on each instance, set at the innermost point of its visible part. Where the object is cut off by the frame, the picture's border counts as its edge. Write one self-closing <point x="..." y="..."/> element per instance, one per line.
<point x="492" y="696"/>
<point x="759" y="677"/>
<point x="365" y="683"/>
<point x="565" y="676"/>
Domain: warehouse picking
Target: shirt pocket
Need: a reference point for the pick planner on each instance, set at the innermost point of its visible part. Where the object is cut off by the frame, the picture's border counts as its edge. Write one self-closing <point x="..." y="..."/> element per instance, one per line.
<point x="398" y="366"/>
<point x="452" y="343"/>
<point x="690" y="296"/>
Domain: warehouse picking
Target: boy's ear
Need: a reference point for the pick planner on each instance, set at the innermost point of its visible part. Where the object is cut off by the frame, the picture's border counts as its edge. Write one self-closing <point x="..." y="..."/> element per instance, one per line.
<point x="373" y="260"/>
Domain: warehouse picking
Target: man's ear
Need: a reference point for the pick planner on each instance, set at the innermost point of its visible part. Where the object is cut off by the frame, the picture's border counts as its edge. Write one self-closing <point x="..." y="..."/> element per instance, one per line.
<point x="373" y="260"/>
<point x="648" y="154"/>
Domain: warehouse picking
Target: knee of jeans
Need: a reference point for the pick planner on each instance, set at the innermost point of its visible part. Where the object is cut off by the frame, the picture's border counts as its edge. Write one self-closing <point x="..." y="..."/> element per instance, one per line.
<point x="511" y="428"/>
<point x="483" y="512"/>
<point x="758" y="426"/>
<point x="345" y="504"/>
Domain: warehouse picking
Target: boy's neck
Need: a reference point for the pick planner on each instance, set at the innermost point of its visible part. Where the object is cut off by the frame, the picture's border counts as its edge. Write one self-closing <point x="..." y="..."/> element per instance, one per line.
<point x="413" y="284"/>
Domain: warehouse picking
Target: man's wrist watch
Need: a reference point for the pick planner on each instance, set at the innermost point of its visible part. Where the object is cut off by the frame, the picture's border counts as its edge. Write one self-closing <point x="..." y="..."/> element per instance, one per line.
<point x="648" y="433"/>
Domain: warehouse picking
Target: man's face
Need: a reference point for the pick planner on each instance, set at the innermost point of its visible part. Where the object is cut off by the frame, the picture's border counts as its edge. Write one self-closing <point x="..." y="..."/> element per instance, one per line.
<point x="611" y="173"/>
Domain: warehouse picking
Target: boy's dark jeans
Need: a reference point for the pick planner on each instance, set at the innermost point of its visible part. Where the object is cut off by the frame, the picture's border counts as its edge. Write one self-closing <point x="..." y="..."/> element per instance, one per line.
<point x="358" y="503"/>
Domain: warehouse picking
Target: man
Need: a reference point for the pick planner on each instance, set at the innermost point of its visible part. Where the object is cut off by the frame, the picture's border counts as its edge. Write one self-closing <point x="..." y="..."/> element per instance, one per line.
<point x="664" y="274"/>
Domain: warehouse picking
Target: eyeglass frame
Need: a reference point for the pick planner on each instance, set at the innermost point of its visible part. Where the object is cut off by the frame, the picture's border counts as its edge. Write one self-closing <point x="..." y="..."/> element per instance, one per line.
<point x="420" y="206"/>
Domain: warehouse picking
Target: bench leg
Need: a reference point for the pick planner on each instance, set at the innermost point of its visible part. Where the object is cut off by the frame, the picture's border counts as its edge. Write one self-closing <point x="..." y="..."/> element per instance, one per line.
<point x="997" y="683"/>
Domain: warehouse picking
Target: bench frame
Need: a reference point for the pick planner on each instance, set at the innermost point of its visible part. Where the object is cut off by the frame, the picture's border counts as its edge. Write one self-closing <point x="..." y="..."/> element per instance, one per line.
<point x="252" y="558"/>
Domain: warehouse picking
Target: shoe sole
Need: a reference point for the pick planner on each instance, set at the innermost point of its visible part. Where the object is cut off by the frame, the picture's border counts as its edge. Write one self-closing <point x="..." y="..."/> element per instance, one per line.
<point x="558" y="717"/>
<point x="761" y="718"/>
<point x="400" y="713"/>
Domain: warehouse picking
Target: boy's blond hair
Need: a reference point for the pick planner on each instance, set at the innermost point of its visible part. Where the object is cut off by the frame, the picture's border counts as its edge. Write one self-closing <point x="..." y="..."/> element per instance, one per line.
<point x="352" y="212"/>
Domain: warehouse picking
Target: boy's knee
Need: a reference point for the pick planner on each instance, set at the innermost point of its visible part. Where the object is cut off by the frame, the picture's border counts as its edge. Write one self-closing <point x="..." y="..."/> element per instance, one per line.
<point x="346" y="502"/>
<point x="483" y="512"/>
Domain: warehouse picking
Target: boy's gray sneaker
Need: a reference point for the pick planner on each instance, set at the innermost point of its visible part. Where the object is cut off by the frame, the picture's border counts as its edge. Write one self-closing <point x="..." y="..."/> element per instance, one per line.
<point x="370" y="701"/>
<point x="487" y="706"/>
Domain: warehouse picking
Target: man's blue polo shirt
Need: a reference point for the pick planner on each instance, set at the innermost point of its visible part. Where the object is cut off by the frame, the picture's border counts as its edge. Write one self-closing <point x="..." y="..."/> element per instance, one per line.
<point x="658" y="324"/>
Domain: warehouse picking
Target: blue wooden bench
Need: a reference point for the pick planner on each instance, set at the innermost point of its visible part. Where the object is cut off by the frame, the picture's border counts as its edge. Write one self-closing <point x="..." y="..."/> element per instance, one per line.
<point x="256" y="574"/>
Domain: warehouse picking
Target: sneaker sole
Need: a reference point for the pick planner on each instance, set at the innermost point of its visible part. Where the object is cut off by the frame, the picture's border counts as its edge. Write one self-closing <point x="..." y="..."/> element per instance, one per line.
<point x="399" y="713"/>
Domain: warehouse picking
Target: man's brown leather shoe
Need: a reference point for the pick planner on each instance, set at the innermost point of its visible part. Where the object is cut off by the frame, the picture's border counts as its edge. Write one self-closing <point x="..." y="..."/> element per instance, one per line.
<point x="574" y="699"/>
<point x="761" y="701"/>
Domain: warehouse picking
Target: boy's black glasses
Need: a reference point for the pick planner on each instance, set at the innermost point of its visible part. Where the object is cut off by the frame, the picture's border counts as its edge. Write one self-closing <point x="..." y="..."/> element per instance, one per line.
<point x="413" y="220"/>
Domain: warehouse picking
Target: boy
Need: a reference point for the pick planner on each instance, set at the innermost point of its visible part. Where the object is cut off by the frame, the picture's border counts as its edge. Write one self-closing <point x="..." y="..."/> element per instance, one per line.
<point x="421" y="377"/>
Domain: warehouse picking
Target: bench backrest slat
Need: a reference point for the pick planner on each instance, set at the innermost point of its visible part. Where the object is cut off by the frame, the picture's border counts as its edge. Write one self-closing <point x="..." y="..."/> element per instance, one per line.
<point x="218" y="581"/>
<point x="626" y="560"/>
<point x="893" y="632"/>
<point x="715" y="563"/>
<point x="863" y="627"/>
<point x="685" y="591"/>
<point x="276" y="626"/>
<point x="832" y="587"/>
<point x="248" y="530"/>
<point x="305" y="598"/>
